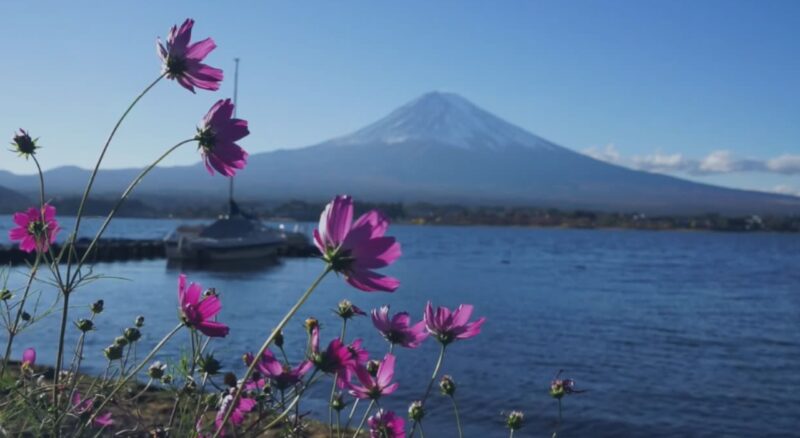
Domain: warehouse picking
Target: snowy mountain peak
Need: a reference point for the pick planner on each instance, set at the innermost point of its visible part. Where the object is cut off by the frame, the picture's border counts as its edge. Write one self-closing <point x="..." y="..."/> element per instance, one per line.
<point x="444" y="119"/>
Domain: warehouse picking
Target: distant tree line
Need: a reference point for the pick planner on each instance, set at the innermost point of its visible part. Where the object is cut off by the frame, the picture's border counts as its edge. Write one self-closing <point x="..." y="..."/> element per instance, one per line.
<point x="441" y="214"/>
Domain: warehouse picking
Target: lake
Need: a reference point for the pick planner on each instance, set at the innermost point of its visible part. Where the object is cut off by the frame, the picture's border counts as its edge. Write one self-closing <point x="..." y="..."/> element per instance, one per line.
<point x="671" y="333"/>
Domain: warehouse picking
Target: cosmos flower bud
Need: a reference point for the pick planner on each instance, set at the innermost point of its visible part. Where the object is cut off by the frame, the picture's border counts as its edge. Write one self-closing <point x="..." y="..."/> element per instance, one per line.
<point x="209" y="365"/>
<point x="338" y="402"/>
<point x="167" y="379"/>
<point x="97" y="307"/>
<point x="85" y="325"/>
<point x="311" y="324"/>
<point x="5" y="295"/>
<point x="26" y="316"/>
<point x="23" y="144"/>
<point x="416" y="411"/>
<point x="372" y="367"/>
<point x="139" y="322"/>
<point x="120" y="341"/>
<point x="113" y="352"/>
<point x="132" y="334"/>
<point x="514" y="420"/>
<point x="279" y="339"/>
<point x="447" y="385"/>
<point x="156" y="370"/>
<point x="347" y="310"/>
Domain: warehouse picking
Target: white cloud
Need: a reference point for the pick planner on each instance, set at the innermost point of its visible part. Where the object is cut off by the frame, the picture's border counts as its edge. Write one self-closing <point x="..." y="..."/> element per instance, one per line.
<point x="608" y="153"/>
<point x="783" y="189"/>
<point x="659" y="162"/>
<point x="717" y="162"/>
<point x="786" y="164"/>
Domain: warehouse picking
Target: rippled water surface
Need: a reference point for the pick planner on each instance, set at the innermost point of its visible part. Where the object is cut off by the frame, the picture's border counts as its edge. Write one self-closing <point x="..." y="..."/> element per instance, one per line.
<point x="672" y="333"/>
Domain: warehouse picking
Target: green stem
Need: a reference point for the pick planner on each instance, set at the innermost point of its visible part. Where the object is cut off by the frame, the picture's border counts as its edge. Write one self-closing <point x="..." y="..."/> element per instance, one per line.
<point x="430" y="384"/>
<point x="333" y="385"/>
<point x="119" y="203"/>
<point x="458" y="417"/>
<point x="13" y="332"/>
<point x="97" y="167"/>
<point x="62" y="333"/>
<point x="135" y="371"/>
<point x="435" y="373"/>
<point x="364" y="418"/>
<point x="267" y="343"/>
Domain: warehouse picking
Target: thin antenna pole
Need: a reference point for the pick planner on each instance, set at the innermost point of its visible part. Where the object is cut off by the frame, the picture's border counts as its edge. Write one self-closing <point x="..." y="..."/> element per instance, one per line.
<point x="235" y="98"/>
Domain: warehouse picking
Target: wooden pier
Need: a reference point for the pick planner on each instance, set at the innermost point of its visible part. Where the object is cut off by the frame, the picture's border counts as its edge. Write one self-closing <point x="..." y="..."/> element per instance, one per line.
<point x="120" y="250"/>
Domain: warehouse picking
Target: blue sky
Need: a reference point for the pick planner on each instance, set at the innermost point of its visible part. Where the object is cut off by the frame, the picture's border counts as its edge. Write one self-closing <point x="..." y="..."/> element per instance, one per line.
<point x="706" y="90"/>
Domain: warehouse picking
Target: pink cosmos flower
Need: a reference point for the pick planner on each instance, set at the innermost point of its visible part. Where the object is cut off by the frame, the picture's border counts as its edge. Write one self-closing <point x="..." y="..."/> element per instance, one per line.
<point x="386" y="424"/>
<point x="354" y="249"/>
<point x="28" y="359"/>
<point x="32" y="233"/>
<point x="450" y="326"/>
<point x="85" y="408"/>
<point x="281" y="375"/>
<point x="243" y="406"/>
<point x="182" y="61"/>
<point x="197" y="313"/>
<point x="336" y="359"/>
<point x="217" y="137"/>
<point x="375" y="387"/>
<point x="398" y="329"/>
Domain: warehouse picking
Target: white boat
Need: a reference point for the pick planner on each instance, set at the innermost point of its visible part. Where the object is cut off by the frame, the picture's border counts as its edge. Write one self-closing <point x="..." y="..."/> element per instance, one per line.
<point x="230" y="238"/>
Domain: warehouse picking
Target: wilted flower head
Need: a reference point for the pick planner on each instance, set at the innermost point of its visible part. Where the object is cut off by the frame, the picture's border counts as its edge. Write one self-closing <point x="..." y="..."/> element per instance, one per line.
<point x="25" y="316"/>
<point x="121" y="341"/>
<point x="85" y="325"/>
<point x="217" y="136"/>
<point x="373" y="387"/>
<point x="347" y="310"/>
<point x="23" y="144"/>
<point x="28" y="359"/>
<point x="156" y="370"/>
<point x="113" y="352"/>
<point x="132" y="334"/>
<point x="182" y="61"/>
<point x="36" y="229"/>
<point x="354" y="249"/>
<point x="338" y="402"/>
<point x="97" y="306"/>
<point x="449" y="326"/>
<point x="139" y="321"/>
<point x="197" y="313"/>
<point x="560" y="387"/>
<point x="386" y="424"/>
<point x="416" y="411"/>
<point x="447" y="385"/>
<point x="398" y="329"/>
<point x="514" y="420"/>
<point x="5" y="294"/>
<point x="209" y="364"/>
<point x="279" y="339"/>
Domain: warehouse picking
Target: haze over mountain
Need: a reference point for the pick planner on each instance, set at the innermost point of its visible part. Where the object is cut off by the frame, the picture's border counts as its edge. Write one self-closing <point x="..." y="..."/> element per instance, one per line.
<point x="440" y="148"/>
<point x="11" y="201"/>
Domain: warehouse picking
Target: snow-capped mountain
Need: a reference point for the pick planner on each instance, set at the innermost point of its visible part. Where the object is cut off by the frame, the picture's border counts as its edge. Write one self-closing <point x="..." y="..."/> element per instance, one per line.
<point x="447" y="119"/>
<point x="439" y="148"/>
